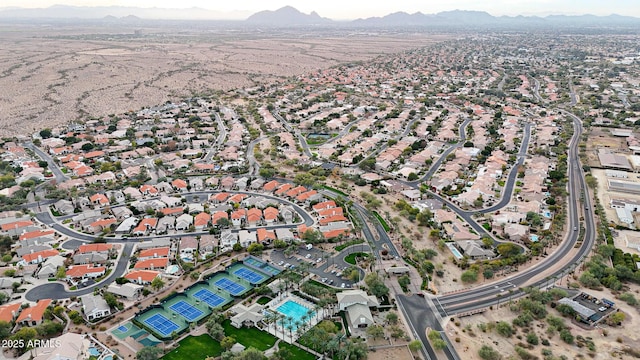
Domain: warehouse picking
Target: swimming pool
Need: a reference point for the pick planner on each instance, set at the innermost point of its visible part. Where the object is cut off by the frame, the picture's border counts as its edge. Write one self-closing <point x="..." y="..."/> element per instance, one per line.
<point x="94" y="352"/>
<point x="454" y="251"/>
<point x="534" y="238"/>
<point x="295" y="311"/>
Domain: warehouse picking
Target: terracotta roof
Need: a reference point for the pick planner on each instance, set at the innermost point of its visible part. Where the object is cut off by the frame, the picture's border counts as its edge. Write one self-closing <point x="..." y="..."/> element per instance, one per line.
<point x="220" y="197"/>
<point x="9" y="311"/>
<point x="239" y="214"/>
<point x="148" y="189"/>
<point x="144" y="275"/>
<point x="254" y="215"/>
<point x="219" y="215"/>
<point x="201" y="219"/>
<point x="157" y="263"/>
<point x="264" y="234"/>
<point x="271" y="185"/>
<point x="270" y="213"/>
<point x="324" y="205"/>
<point x="16" y="225"/>
<point x="103" y="222"/>
<point x="284" y="188"/>
<point x="85" y="248"/>
<point x="154" y="252"/>
<point x="78" y="271"/>
<point x="44" y="254"/>
<point x="304" y="196"/>
<point x="334" y="233"/>
<point x="179" y="183"/>
<point x="330" y="219"/>
<point x="100" y="198"/>
<point x="34" y="313"/>
<point x="172" y="211"/>
<point x="237" y="198"/>
<point x="330" y="212"/>
<point x="36" y="233"/>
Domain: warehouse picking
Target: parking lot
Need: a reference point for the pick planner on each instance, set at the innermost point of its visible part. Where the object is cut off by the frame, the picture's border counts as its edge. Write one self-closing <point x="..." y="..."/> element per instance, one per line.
<point x="326" y="268"/>
<point x="601" y="308"/>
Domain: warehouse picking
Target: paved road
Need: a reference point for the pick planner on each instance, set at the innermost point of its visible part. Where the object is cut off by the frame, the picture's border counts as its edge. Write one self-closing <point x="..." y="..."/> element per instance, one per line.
<point x="222" y="136"/>
<point x="57" y="291"/>
<point x="57" y="173"/>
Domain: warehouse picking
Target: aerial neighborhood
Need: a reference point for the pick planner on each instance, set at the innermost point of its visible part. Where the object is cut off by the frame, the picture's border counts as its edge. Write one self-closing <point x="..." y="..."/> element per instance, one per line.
<point x="457" y="200"/>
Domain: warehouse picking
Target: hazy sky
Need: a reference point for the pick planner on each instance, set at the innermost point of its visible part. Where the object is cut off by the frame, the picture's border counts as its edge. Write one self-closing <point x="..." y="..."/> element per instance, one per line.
<point x="351" y="9"/>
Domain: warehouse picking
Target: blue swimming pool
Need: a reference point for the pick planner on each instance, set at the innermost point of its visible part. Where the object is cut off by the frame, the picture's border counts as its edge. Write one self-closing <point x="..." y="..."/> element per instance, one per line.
<point x="534" y="238"/>
<point x="294" y="310"/>
<point x="94" y="352"/>
<point x="454" y="251"/>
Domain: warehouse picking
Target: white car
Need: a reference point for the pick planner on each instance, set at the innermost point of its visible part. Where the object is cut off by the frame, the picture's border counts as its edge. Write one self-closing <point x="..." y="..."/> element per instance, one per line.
<point x="308" y="256"/>
<point x="342" y="285"/>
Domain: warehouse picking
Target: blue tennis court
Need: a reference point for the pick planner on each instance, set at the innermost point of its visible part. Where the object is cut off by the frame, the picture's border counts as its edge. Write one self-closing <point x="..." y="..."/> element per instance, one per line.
<point x="230" y="286"/>
<point x="188" y="311"/>
<point x="123" y="328"/>
<point x="161" y="324"/>
<point x="251" y="276"/>
<point x="210" y="298"/>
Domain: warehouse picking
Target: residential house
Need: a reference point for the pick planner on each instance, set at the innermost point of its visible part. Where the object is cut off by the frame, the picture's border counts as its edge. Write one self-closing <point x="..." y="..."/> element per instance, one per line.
<point x="126" y="225"/>
<point x="246" y="238"/>
<point x="146" y="226"/>
<point x="38" y="257"/>
<point x="265" y="236"/>
<point x="148" y="190"/>
<point x="90" y="258"/>
<point x="121" y="213"/>
<point x="87" y="271"/>
<point x="63" y="207"/>
<point x="9" y="312"/>
<point x="128" y="291"/>
<point x="516" y="232"/>
<point x="171" y="201"/>
<point x="218" y="215"/>
<point x="99" y="200"/>
<point x="165" y="224"/>
<point x="356" y="304"/>
<point x="188" y="247"/>
<point x="201" y="221"/>
<point x="179" y="185"/>
<point x="474" y="250"/>
<point x="33" y="316"/>
<point x="219" y="197"/>
<point x="270" y="186"/>
<point x="142" y="277"/>
<point x="288" y="214"/>
<point x="285" y="235"/>
<point x="270" y="215"/>
<point x="254" y="216"/>
<point x="206" y="245"/>
<point x="50" y="266"/>
<point x="94" y="307"/>
<point x="238" y="216"/>
<point x="152" y="253"/>
<point x="228" y="239"/>
<point x="183" y="222"/>
<point x="152" y="264"/>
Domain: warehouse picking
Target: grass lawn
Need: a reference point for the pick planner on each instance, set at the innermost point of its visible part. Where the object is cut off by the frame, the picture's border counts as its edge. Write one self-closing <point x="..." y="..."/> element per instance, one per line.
<point x="250" y="337"/>
<point x="263" y="300"/>
<point x="351" y="258"/>
<point x="195" y="348"/>
<point x="296" y="352"/>
<point x="382" y="222"/>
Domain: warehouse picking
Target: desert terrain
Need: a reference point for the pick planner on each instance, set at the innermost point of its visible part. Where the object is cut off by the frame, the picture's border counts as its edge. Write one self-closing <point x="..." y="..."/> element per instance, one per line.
<point x="53" y="74"/>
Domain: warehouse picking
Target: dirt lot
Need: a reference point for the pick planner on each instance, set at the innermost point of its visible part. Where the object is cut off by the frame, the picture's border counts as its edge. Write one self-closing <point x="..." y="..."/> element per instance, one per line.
<point x="395" y="353"/>
<point x="55" y="74"/>
<point x="607" y="347"/>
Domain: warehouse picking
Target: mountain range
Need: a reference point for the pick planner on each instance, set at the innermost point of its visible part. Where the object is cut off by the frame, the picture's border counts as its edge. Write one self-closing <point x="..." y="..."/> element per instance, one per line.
<point x="289" y="16"/>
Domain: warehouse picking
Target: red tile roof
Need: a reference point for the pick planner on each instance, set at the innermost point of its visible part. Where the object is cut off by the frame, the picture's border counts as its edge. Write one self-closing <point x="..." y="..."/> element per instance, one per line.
<point x="34" y="313"/>
<point x="330" y="219"/>
<point x="154" y="252"/>
<point x="172" y="211"/>
<point x="16" y="225"/>
<point x="270" y="213"/>
<point x="264" y="234"/>
<point x="9" y="311"/>
<point x="282" y="189"/>
<point x="201" y="219"/>
<point x="78" y="271"/>
<point x="239" y="214"/>
<point x="179" y="184"/>
<point x="324" y="205"/>
<point x="271" y="185"/>
<point x="334" y="233"/>
<point x="219" y="215"/>
<point x="330" y="212"/>
<point x="157" y="263"/>
<point x="86" y="248"/>
<point x="144" y="275"/>
<point x="36" y="233"/>
<point x="44" y="254"/>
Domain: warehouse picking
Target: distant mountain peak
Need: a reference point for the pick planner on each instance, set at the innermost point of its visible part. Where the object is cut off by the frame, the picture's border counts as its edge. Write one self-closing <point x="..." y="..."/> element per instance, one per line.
<point x="287" y="15"/>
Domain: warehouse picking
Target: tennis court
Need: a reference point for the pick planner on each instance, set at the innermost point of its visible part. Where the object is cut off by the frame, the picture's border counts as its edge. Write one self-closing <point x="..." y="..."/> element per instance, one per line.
<point x="161" y="324"/>
<point x="186" y="310"/>
<point x="230" y="286"/>
<point x="249" y="275"/>
<point x="210" y="298"/>
<point x="261" y="265"/>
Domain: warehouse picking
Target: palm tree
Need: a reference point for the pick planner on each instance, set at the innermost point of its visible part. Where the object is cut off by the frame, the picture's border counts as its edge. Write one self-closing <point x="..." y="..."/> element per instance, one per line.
<point x="269" y="319"/>
<point x="290" y="328"/>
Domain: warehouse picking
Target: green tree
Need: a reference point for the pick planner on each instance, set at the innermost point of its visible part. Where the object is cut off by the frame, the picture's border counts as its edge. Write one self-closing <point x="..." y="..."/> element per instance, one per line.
<point x="392" y="318"/>
<point x="508" y="249"/>
<point x="532" y="338"/>
<point x="6" y="258"/>
<point x="566" y="336"/>
<point x="415" y="345"/>
<point x="616" y="318"/>
<point x="5" y="330"/>
<point x="486" y="352"/>
<point x="404" y="282"/>
<point x="149" y="353"/>
<point x="503" y="328"/>
<point x="157" y="283"/>
<point x="61" y="273"/>
<point x="412" y="177"/>
<point x="45" y="133"/>
<point x="376" y="285"/>
<point x="469" y="276"/>
<point x="215" y="330"/>
<point x="227" y="342"/>
<point x="375" y="331"/>
<point x="255" y="249"/>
